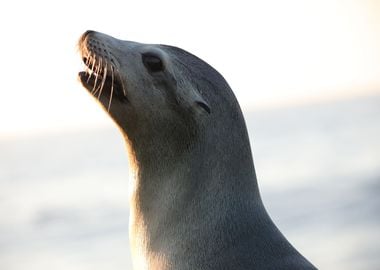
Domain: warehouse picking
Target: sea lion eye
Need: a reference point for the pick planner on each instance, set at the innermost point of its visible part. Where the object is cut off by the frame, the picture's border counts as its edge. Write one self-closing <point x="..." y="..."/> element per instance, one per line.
<point x="152" y="62"/>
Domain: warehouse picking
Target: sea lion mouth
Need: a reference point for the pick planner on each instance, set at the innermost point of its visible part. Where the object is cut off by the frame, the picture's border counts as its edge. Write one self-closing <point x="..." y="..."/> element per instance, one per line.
<point x="102" y="79"/>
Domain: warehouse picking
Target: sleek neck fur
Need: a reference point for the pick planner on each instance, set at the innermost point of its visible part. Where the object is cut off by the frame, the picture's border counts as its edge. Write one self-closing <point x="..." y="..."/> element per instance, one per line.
<point x="195" y="202"/>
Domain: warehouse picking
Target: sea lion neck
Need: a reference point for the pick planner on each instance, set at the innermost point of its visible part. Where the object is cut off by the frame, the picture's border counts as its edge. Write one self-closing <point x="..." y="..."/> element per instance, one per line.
<point x="158" y="147"/>
<point x="173" y="193"/>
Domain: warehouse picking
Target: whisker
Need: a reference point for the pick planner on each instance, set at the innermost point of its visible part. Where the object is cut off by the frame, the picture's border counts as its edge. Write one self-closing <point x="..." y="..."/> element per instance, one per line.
<point x="88" y="59"/>
<point x="95" y="90"/>
<point x="93" y="63"/>
<point x="103" y="81"/>
<point x="112" y="76"/>
<point x="90" y="66"/>
<point x="93" y="68"/>
<point x="122" y="84"/>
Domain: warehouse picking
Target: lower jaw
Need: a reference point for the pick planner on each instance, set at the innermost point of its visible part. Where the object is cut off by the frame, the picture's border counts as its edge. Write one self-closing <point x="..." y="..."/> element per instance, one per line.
<point x="88" y="82"/>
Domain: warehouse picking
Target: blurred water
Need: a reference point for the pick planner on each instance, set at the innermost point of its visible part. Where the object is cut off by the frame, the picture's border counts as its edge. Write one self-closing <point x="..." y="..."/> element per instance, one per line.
<point x="64" y="205"/>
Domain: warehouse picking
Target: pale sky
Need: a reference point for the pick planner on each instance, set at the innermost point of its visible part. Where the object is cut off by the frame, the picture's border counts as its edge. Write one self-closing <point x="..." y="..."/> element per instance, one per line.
<point x="270" y="52"/>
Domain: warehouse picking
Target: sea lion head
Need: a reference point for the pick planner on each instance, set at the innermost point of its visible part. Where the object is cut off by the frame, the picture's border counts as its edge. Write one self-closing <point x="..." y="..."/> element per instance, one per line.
<point x="156" y="93"/>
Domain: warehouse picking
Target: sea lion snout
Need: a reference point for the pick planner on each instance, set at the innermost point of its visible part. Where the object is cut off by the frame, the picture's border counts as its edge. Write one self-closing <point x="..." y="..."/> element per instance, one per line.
<point x="102" y="75"/>
<point x="93" y="45"/>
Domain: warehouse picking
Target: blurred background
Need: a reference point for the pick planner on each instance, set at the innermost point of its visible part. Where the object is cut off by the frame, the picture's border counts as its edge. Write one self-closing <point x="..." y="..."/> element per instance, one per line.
<point x="307" y="76"/>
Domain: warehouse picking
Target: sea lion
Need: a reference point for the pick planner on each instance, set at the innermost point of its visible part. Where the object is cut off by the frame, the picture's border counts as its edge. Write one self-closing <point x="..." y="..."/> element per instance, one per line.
<point x="194" y="200"/>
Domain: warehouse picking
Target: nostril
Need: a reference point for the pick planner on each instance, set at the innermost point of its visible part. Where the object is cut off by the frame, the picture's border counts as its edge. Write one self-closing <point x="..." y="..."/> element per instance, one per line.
<point x="85" y="35"/>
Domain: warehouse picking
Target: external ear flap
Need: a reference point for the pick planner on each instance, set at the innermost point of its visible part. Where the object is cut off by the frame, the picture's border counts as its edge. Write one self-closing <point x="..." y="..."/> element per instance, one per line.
<point x="203" y="104"/>
<point x="200" y="103"/>
<point x="193" y="98"/>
